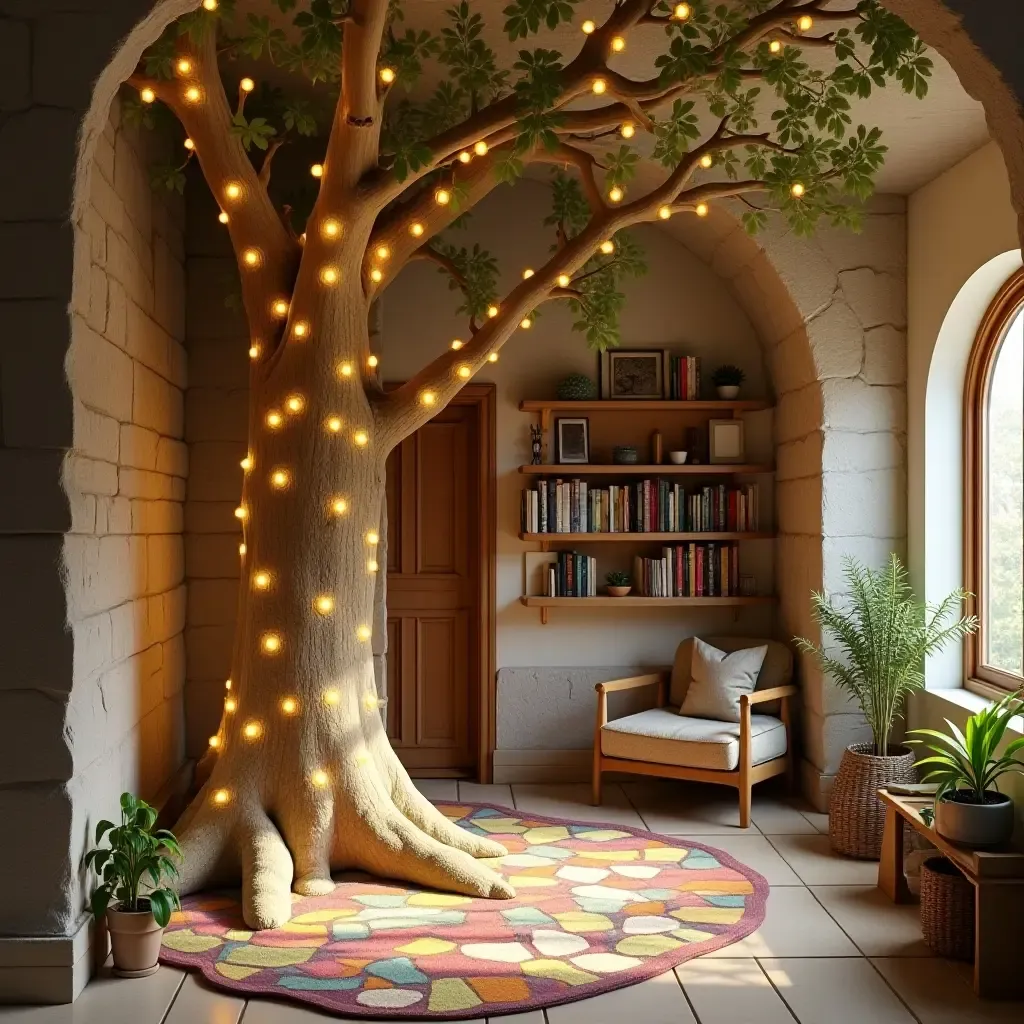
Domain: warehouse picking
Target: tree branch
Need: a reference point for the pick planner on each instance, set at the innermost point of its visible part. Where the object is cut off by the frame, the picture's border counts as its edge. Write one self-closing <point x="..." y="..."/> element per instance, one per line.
<point x="264" y="175"/>
<point x="584" y="163"/>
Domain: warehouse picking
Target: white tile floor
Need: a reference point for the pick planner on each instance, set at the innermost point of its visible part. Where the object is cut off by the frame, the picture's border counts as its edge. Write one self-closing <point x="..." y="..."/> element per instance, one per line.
<point x="831" y="950"/>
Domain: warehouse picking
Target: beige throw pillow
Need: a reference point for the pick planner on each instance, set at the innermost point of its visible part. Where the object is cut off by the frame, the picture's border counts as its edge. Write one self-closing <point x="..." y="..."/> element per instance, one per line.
<point x="718" y="680"/>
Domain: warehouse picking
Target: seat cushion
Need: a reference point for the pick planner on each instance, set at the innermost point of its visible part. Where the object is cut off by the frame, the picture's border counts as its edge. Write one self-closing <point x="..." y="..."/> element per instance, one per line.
<point x="662" y="736"/>
<point x="718" y="680"/>
<point x="776" y="670"/>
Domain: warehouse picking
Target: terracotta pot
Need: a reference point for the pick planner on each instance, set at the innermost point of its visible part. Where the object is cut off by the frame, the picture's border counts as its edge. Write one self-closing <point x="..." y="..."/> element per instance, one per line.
<point x="855" y="814"/>
<point x="987" y="824"/>
<point x="728" y="391"/>
<point x="135" y="939"/>
<point x="617" y="591"/>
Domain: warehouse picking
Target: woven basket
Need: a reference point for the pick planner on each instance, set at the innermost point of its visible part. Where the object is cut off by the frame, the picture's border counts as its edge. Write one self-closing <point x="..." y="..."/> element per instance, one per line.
<point x="855" y="814"/>
<point x="947" y="909"/>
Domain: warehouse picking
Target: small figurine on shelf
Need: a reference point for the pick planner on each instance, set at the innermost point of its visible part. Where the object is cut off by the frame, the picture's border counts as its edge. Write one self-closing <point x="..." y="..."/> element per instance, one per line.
<point x="536" y="443"/>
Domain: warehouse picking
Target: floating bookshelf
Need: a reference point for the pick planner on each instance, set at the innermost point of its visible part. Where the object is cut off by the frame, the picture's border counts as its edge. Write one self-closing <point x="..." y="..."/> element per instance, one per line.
<point x="668" y="469"/>
<point x="638" y="536"/>
<point x="604" y="602"/>
<point x="638" y="405"/>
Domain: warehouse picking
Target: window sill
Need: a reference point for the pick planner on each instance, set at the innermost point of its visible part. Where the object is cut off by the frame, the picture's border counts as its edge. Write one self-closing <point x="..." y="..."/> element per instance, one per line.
<point x="957" y="704"/>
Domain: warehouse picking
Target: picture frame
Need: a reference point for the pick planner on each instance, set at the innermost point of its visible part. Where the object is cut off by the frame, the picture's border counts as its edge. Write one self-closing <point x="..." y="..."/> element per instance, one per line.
<point x="572" y="440"/>
<point x="725" y="441"/>
<point x="633" y="374"/>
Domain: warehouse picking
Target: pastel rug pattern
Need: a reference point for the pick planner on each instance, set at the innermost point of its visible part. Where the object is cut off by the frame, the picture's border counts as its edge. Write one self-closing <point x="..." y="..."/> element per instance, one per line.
<point x="597" y="907"/>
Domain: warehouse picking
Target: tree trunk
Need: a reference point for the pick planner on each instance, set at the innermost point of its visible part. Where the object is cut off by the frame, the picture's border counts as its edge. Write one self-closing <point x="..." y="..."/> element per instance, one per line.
<point x="304" y="780"/>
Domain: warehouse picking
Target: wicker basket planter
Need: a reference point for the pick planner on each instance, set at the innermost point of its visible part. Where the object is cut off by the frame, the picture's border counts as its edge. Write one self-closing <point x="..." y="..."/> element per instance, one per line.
<point x="947" y="909"/>
<point x="855" y="814"/>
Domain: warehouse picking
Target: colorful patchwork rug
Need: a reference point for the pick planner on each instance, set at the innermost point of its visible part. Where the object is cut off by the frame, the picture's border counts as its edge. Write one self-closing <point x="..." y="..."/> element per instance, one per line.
<point x="597" y="907"/>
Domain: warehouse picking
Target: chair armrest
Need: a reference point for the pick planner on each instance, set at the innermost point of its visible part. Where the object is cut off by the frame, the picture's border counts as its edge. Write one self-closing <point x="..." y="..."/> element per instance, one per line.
<point x="632" y="682"/>
<point x="775" y="693"/>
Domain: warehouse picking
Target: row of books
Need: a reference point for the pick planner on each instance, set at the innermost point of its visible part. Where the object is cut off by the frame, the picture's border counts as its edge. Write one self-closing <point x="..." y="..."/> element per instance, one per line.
<point x="645" y="506"/>
<point x="689" y="570"/>
<point x="684" y="378"/>
<point x="572" y="575"/>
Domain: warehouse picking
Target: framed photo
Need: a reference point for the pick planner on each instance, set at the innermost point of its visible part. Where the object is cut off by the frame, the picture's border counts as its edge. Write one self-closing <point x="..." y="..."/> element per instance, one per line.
<point x="572" y="440"/>
<point x="630" y="373"/>
<point x="725" y="441"/>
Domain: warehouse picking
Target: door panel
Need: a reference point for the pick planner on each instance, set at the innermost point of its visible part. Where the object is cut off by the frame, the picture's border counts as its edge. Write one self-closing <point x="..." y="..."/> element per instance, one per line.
<point x="433" y="486"/>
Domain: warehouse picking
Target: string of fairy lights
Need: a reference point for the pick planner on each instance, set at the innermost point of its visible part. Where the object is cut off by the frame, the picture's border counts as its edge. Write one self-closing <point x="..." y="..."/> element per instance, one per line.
<point x="281" y="479"/>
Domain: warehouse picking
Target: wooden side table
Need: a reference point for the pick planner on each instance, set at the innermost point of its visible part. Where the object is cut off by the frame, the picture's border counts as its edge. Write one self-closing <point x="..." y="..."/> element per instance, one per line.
<point x="998" y="880"/>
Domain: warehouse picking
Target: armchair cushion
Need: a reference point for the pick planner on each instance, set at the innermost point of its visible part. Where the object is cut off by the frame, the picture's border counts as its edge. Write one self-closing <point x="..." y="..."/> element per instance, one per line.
<point x="718" y="680"/>
<point x="661" y="736"/>
<point x="777" y="669"/>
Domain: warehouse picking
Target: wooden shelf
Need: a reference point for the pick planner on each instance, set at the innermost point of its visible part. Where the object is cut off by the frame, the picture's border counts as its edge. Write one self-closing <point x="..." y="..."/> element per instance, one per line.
<point x="628" y="405"/>
<point x="637" y="536"/>
<point x="590" y="469"/>
<point x="604" y="602"/>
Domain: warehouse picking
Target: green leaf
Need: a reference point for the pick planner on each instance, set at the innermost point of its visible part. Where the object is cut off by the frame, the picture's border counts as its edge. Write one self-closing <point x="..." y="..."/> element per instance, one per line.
<point x="99" y="901"/>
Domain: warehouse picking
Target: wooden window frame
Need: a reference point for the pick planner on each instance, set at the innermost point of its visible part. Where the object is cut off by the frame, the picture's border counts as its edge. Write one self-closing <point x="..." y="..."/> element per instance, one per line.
<point x="1008" y="302"/>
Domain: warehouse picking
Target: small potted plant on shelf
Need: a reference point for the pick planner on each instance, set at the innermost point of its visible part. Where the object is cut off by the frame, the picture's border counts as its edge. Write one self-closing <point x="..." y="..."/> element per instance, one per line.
<point x="727" y="380"/>
<point x="875" y="647"/>
<point x="968" y="807"/>
<point x="136" y="906"/>
<point x="618" y="584"/>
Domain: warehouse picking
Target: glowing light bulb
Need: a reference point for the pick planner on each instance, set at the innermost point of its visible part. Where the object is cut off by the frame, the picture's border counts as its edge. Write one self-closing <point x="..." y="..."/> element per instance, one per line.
<point x="251" y="258"/>
<point x="706" y="160"/>
<point x="387" y="75"/>
<point x="480" y="148"/>
<point x="372" y="362"/>
<point x="416" y="229"/>
<point x="295" y="403"/>
<point x="442" y="197"/>
<point x="274" y="419"/>
<point x="320" y="778"/>
<point x="628" y="130"/>
<point x="334" y="424"/>
<point x="147" y="95"/>
<point x="804" y="23"/>
<point x="271" y="643"/>
<point x="324" y="604"/>
<point x="527" y="274"/>
<point x="230" y="705"/>
<point x="464" y="372"/>
<point x="300" y="329"/>
<point x="376" y="275"/>
<point x="457" y="344"/>
<point x="210" y="5"/>
<point x="233" y="190"/>
<point x="618" y="44"/>
<point x="330" y="228"/>
<point x="247" y="85"/>
<point x="372" y="537"/>
<point x="317" y="170"/>
<point x="254" y="351"/>
<point x="279" y="307"/>
<point x="214" y="742"/>
<point x="280" y="479"/>
<point x="370" y="702"/>
<point x="701" y="210"/>
<point x="252" y="730"/>
<point x="241" y="512"/>
<point x="797" y="190"/>
<point x="615" y="194"/>
<point x="564" y="280"/>
<point x="607" y="247"/>
<point x="289" y="705"/>
<point x="664" y="212"/>
<point x="681" y="12"/>
<point x="775" y="46"/>
<point x="227" y="684"/>
<point x="465" y="156"/>
<point x="339" y="506"/>
<point x="332" y="698"/>
<point x="492" y="311"/>
<point x="588" y="26"/>
<point x="361" y="438"/>
<point x="599" y="86"/>
<point x="192" y="94"/>
<point x="222" y="217"/>
<point x="261" y="580"/>
<point x="221" y="796"/>
<point x="329" y="275"/>
<point x="493" y="357"/>
<point x="428" y="398"/>
<point x="364" y="633"/>
<point x="382" y="252"/>
<point x="189" y="145"/>
<point x="526" y="323"/>
<point x="242" y="549"/>
<point x="344" y="369"/>
<point x="371" y="565"/>
<point x="184" y="66"/>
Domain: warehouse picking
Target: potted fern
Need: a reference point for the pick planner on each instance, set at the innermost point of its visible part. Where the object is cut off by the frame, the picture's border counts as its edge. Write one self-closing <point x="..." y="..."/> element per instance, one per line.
<point x="727" y="380"/>
<point x="619" y="584"/>
<point x="968" y="805"/>
<point x="875" y="647"/>
<point x="130" y="896"/>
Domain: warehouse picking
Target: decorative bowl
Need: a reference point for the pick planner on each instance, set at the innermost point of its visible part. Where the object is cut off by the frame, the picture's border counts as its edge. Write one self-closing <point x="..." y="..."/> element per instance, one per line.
<point x="677" y="458"/>
<point x="625" y="455"/>
<point x="618" y="591"/>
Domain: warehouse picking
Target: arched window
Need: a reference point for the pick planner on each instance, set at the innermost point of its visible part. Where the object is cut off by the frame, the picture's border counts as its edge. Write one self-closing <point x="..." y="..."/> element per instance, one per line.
<point x="994" y="490"/>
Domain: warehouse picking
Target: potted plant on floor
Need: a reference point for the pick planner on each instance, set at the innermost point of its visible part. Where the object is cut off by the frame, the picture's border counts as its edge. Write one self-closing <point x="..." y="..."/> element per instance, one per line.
<point x="618" y="584"/>
<point x="137" y="857"/>
<point x="727" y="380"/>
<point x="968" y="805"/>
<point x="874" y="646"/>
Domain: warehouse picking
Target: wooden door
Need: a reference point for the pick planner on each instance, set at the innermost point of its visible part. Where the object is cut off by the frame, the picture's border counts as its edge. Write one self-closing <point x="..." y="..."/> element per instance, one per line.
<point x="436" y="492"/>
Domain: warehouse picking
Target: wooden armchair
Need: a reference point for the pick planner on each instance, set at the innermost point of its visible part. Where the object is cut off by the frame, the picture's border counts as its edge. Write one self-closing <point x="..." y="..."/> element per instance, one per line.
<point x="663" y="743"/>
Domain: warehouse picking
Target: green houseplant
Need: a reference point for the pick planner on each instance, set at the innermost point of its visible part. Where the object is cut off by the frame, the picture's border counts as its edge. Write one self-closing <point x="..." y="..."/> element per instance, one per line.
<point x="874" y="647"/>
<point x="130" y="895"/>
<point x="619" y="584"/>
<point x="968" y="805"/>
<point x="727" y="380"/>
